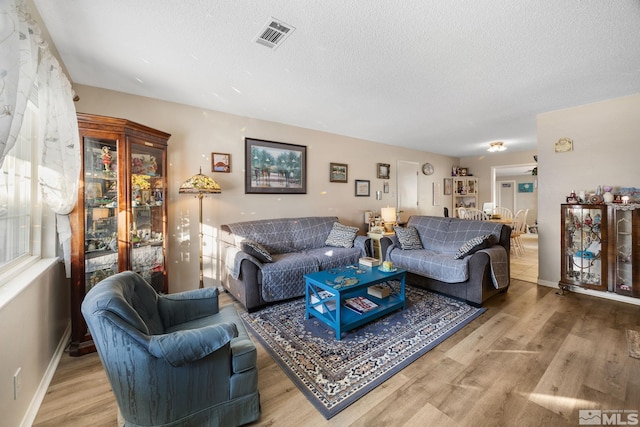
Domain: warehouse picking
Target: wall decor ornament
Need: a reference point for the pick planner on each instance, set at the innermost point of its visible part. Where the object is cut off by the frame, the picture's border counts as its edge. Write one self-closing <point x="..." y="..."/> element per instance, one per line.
<point x="274" y="167"/>
<point x="448" y="186"/>
<point x="563" y="145"/>
<point x="338" y="172"/>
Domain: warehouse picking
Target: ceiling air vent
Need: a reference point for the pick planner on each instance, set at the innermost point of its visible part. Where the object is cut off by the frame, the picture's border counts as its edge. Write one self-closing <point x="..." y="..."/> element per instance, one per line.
<point x="274" y="33"/>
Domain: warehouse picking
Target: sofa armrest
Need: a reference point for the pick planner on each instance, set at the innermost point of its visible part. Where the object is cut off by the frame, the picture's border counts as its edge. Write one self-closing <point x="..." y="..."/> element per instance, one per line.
<point x="364" y="244"/>
<point x="386" y="244"/>
<point x="185" y="306"/>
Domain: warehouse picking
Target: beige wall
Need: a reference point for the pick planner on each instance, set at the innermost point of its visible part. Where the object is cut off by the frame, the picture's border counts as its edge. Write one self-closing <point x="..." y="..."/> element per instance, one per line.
<point x="606" y="150"/>
<point x="196" y="133"/>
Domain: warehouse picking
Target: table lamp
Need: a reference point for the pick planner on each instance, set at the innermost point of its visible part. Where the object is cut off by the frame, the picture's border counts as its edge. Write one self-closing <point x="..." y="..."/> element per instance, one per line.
<point x="389" y="217"/>
<point x="200" y="185"/>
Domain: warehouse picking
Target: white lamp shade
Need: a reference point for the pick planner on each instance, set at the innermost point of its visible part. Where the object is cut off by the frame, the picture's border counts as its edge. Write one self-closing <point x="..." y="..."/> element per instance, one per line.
<point x="388" y="214"/>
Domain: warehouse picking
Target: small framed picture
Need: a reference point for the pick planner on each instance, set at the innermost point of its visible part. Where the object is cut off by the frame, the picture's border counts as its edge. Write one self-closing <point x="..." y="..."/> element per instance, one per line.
<point x="448" y="186"/>
<point x="220" y="162"/>
<point x="383" y="170"/>
<point x="362" y="188"/>
<point x="463" y="171"/>
<point x="338" y="172"/>
<point x="145" y="196"/>
<point x="385" y="187"/>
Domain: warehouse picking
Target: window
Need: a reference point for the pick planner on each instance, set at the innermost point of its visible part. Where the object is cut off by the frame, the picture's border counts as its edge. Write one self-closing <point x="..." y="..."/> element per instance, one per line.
<point x="18" y="193"/>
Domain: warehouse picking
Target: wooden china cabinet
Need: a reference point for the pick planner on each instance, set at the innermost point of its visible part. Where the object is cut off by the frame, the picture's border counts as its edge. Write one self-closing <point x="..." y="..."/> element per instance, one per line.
<point x="120" y="220"/>
<point x="584" y="246"/>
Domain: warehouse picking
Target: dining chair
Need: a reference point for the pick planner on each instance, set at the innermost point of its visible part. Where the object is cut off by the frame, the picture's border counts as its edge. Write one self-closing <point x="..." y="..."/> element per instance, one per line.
<point x="475" y="214"/>
<point x="505" y="213"/>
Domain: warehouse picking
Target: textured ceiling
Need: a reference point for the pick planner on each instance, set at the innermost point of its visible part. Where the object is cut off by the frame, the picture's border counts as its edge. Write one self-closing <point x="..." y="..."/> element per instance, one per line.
<point x="441" y="76"/>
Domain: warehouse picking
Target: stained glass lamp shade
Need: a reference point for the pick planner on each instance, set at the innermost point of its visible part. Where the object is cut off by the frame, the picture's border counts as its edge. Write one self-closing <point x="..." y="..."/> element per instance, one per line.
<point x="200" y="185"/>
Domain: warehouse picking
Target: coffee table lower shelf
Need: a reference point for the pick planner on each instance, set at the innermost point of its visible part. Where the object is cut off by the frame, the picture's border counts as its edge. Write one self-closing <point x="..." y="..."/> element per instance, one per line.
<point x="343" y="319"/>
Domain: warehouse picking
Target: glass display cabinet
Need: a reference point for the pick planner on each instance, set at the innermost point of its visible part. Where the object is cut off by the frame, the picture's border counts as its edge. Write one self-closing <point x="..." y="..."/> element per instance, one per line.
<point x="584" y="246"/>
<point x="624" y="249"/>
<point x="465" y="193"/>
<point x="120" y="220"/>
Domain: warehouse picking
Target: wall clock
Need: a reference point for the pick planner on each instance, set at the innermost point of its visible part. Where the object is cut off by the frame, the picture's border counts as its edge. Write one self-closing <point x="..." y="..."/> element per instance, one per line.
<point x="427" y="169"/>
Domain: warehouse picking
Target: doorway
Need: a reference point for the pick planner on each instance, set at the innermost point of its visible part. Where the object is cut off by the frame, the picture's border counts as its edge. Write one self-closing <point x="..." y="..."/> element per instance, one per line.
<point x="407" y="175"/>
<point x="507" y="195"/>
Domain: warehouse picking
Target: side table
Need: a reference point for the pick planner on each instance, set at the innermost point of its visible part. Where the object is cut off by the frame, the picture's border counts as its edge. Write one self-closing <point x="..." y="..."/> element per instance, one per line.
<point x="375" y="243"/>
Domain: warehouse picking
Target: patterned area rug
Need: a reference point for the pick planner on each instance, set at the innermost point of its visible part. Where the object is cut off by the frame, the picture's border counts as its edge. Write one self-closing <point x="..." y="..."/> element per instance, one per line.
<point x="333" y="374"/>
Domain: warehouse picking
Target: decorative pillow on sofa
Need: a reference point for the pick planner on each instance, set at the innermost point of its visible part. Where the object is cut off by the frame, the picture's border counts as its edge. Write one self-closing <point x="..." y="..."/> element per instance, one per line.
<point x="256" y="250"/>
<point x="474" y="245"/>
<point x="341" y="236"/>
<point x="408" y="237"/>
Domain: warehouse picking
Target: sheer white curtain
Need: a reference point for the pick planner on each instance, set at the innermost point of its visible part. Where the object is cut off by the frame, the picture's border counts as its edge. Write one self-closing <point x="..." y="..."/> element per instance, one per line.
<point x="59" y="169"/>
<point x="19" y="44"/>
<point x="25" y="58"/>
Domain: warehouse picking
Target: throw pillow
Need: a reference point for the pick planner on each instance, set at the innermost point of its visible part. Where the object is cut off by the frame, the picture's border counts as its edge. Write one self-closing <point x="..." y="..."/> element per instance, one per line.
<point x="408" y="237"/>
<point x="341" y="236"/>
<point x="474" y="245"/>
<point x="256" y="250"/>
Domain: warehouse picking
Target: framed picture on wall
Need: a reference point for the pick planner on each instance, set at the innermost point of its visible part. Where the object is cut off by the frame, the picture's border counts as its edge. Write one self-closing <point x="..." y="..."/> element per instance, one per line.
<point x="220" y="162"/>
<point x="448" y="186"/>
<point x="384" y="170"/>
<point x="525" y="187"/>
<point x="362" y="188"/>
<point x="338" y="172"/>
<point x="274" y="167"/>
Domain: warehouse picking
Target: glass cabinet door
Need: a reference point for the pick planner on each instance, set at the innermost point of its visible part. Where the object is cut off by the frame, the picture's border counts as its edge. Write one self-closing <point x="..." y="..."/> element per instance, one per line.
<point x="584" y="246"/>
<point x="147" y="227"/>
<point x="624" y="249"/>
<point x="100" y="210"/>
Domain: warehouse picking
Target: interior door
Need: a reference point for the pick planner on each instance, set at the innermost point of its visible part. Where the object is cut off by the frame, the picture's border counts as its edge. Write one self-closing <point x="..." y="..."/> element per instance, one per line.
<point x="407" y="189"/>
<point x="507" y="195"/>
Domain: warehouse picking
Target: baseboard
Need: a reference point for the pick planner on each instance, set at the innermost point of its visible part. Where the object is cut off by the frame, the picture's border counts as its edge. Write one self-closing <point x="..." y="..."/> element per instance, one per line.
<point x="600" y="294"/>
<point x="41" y="392"/>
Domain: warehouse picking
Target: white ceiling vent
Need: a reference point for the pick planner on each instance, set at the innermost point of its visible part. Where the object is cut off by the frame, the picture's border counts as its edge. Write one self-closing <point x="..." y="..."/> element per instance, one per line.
<point x="274" y="33"/>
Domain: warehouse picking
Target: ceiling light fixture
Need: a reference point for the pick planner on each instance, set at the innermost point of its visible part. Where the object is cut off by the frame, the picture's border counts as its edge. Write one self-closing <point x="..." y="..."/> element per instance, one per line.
<point x="496" y="146"/>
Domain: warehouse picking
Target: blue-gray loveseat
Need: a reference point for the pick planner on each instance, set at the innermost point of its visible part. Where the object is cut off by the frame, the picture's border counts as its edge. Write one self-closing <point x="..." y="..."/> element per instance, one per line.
<point x="266" y="260"/>
<point x="481" y="269"/>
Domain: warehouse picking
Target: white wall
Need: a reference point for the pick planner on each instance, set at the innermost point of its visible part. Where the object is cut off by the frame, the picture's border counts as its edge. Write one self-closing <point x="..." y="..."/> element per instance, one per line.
<point x="196" y="133"/>
<point x="606" y="150"/>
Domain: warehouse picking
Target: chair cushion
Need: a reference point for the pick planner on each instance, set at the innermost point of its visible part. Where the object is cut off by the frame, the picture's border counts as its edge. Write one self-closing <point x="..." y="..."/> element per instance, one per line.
<point x="341" y="236"/>
<point x="408" y="238"/>
<point x="474" y="245"/>
<point x="256" y="250"/>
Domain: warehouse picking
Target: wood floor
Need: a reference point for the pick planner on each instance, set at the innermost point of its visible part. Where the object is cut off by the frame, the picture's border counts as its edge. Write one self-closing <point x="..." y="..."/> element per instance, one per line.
<point x="534" y="358"/>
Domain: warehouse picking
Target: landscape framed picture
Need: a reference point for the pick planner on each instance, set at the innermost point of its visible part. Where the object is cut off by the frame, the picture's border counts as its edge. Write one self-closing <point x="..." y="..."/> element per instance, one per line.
<point x="220" y="162"/>
<point x="362" y="188"/>
<point x="338" y="172"/>
<point x="274" y="167"/>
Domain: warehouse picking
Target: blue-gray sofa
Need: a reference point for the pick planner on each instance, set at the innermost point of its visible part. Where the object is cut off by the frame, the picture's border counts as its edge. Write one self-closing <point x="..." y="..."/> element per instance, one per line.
<point x="480" y="272"/>
<point x="266" y="260"/>
<point x="173" y="360"/>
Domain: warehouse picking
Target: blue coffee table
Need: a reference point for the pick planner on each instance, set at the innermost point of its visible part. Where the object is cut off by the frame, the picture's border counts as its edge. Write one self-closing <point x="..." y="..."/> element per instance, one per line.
<point x="349" y="282"/>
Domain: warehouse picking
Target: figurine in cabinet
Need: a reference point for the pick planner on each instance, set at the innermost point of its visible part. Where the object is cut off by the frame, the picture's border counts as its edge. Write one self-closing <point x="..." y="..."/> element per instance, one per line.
<point x="106" y="158"/>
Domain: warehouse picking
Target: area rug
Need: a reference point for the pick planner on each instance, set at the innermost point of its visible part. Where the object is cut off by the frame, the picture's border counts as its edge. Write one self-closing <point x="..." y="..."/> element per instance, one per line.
<point x="633" y="341"/>
<point x="333" y="374"/>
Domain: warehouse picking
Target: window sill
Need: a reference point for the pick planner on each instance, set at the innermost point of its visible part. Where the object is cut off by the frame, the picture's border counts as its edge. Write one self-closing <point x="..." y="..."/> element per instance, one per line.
<point x="16" y="280"/>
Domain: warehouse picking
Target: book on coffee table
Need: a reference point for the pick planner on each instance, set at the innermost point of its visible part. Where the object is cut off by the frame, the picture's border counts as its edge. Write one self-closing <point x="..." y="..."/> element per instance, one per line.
<point x="369" y="261"/>
<point x="360" y="304"/>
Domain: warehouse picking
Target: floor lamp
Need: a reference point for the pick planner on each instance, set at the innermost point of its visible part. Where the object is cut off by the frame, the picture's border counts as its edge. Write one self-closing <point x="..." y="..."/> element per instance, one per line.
<point x="200" y="185"/>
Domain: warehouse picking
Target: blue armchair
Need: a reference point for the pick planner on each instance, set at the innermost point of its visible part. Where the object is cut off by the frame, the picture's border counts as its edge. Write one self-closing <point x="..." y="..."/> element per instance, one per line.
<point x="173" y="359"/>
